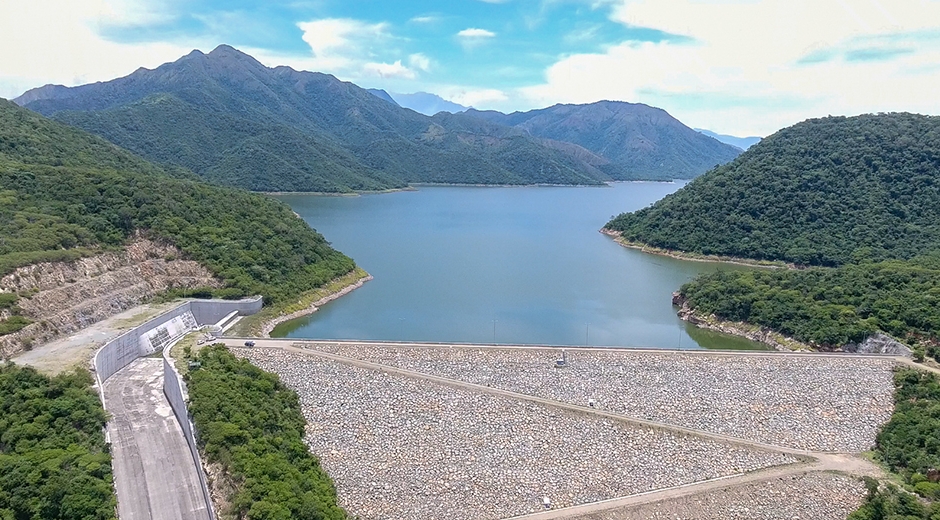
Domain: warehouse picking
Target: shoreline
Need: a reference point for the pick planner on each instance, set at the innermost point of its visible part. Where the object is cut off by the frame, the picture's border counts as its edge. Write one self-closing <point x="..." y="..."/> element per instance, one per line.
<point x="414" y="186"/>
<point x="269" y="325"/>
<point x="692" y="257"/>
<point x="337" y="194"/>
<point x="261" y="324"/>
<point x="775" y="340"/>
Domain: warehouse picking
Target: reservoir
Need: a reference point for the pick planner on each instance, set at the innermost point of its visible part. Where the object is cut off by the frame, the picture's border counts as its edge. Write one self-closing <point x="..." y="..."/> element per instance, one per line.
<point x="501" y="265"/>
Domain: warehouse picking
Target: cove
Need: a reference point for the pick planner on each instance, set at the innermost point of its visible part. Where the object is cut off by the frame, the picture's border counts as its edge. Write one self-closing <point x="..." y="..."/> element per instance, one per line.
<point x="501" y="265"/>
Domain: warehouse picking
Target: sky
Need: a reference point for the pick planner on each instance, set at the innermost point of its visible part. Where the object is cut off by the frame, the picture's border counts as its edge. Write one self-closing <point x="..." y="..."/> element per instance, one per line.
<point x="740" y="67"/>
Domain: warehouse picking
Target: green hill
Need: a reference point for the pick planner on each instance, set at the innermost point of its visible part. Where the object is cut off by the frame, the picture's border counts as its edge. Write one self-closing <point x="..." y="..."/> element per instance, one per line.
<point x="65" y="194"/>
<point x="823" y="192"/>
<point x="829" y="307"/>
<point x="233" y="121"/>
<point x="858" y="198"/>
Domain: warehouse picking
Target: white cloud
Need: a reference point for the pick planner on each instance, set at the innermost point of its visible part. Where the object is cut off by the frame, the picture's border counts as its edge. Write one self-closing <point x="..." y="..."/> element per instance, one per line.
<point x="420" y="62"/>
<point x="474" y="32"/>
<point x="473" y="37"/>
<point x="349" y="48"/>
<point x="51" y="41"/>
<point x="753" y="67"/>
<point x="338" y="43"/>
<point x="470" y="97"/>
<point x="425" y="19"/>
<point x="389" y="70"/>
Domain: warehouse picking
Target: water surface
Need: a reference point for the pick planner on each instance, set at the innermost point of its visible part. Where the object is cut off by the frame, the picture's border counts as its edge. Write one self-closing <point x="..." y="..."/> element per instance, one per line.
<point x="500" y="265"/>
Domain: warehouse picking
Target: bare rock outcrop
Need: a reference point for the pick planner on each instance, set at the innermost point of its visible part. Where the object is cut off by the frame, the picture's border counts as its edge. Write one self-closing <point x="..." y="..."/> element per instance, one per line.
<point x="62" y="297"/>
<point x="879" y="344"/>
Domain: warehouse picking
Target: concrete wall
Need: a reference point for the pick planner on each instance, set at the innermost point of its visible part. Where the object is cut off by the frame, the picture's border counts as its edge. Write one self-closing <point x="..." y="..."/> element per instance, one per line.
<point x="173" y="390"/>
<point x="209" y="312"/>
<point x="121" y="351"/>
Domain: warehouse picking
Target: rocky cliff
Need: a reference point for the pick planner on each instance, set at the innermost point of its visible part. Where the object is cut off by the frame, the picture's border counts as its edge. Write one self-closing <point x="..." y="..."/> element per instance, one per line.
<point x="62" y="297"/>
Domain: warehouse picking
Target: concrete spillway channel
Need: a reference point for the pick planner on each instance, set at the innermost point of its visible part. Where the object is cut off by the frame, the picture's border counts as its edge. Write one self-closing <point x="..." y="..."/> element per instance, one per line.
<point x="154" y="474"/>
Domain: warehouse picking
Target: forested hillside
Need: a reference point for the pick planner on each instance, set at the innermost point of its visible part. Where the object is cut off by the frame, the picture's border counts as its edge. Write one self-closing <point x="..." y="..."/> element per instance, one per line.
<point x="54" y="462"/>
<point x="830" y="307"/>
<point x="860" y="195"/>
<point x="234" y="121"/>
<point x="252" y="426"/>
<point x="65" y="194"/>
<point x="639" y="142"/>
<point x="823" y="192"/>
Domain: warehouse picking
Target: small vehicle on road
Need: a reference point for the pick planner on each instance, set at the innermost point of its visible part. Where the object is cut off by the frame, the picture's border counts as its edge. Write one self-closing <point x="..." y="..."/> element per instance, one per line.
<point x="249" y="343"/>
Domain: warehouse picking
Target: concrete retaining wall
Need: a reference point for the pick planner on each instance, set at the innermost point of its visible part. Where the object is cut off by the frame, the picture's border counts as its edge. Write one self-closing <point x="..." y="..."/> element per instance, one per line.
<point x="173" y="390"/>
<point x="209" y="312"/>
<point x="121" y="351"/>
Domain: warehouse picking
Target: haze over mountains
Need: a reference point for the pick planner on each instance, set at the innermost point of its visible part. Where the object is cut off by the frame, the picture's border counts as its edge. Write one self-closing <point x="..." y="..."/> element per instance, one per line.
<point x="741" y="142"/>
<point x="234" y="121"/>
<point x="427" y="104"/>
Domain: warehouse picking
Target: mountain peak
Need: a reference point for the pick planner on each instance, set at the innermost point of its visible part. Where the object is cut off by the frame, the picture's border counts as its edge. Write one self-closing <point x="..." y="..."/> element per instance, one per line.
<point x="228" y="54"/>
<point x="44" y="92"/>
<point x="226" y="50"/>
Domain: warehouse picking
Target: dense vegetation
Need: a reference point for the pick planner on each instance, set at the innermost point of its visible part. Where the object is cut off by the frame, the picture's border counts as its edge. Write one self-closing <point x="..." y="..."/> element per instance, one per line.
<point x="65" y="194"/>
<point x="823" y="192"/>
<point x="638" y="141"/>
<point x="829" y="307"/>
<point x="236" y="122"/>
<point x="54" y="463"/>
<point x="908" y="445"/>
<point x="251" y="424"/>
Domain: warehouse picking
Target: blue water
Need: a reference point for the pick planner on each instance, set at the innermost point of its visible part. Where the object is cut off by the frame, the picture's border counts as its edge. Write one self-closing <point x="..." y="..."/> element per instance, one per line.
<point x="503" y="265"/>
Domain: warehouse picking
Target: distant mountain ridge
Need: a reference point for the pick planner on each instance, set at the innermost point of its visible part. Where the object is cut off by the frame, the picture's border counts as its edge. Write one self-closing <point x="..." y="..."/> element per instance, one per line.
<point x="381" y="94"/>
<point x="233" y="121"/>
<point x="236" y="122"/>
<point x="639" y="141"/>
<point x="740" y="142"/>
<point x="427" y="104"/>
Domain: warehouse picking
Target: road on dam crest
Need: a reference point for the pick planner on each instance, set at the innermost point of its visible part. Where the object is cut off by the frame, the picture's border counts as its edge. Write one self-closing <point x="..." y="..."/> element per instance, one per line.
<point x="154" y="474"/>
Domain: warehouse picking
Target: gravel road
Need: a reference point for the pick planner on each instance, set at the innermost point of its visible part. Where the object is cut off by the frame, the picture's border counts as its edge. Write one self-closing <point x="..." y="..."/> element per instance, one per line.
<point x="807" y="496"/>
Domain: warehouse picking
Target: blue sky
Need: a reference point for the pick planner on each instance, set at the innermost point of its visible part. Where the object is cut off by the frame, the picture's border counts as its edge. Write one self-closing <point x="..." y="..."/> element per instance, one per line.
<point x="482" y="45"/>
<point x="735" y="66"/>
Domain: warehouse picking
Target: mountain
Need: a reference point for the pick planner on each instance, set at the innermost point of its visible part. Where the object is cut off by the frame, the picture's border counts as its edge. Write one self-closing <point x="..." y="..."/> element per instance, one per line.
<point x="66" y="194"/>
<point x="824" y="192"/>
<point x="740" y="142"/>
<point x="381" y="94"/>
<point x="639" y="141"/>
<point x="427" y="104"/>
<point x="234" y="121"/>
